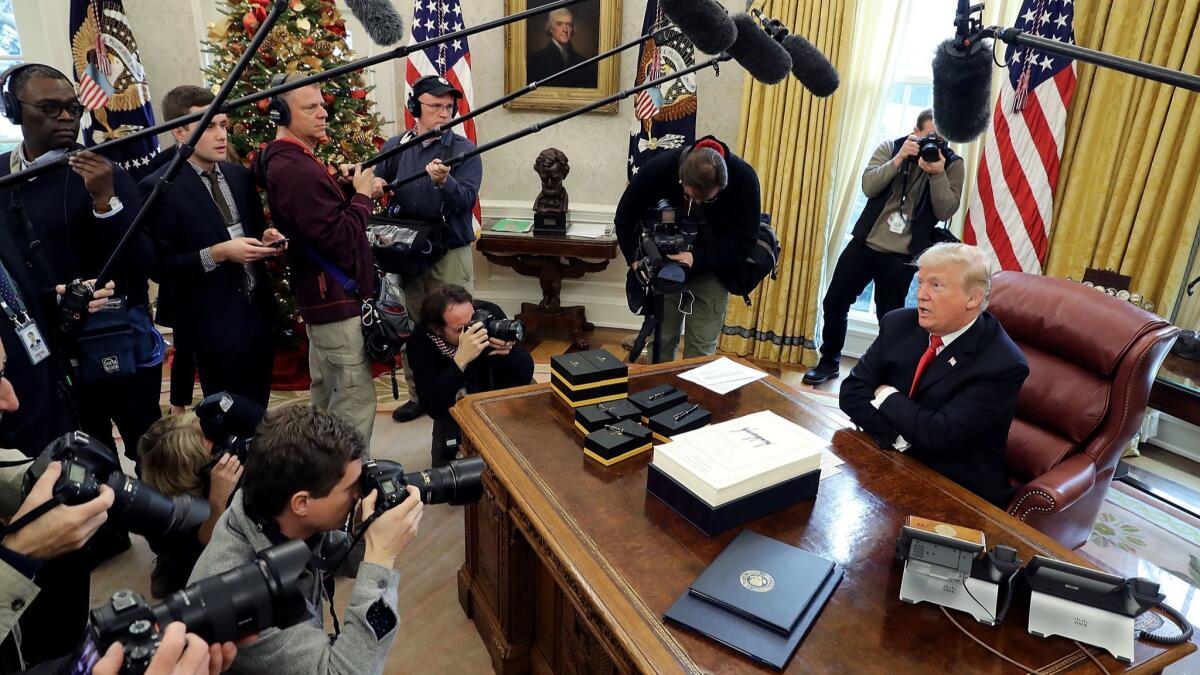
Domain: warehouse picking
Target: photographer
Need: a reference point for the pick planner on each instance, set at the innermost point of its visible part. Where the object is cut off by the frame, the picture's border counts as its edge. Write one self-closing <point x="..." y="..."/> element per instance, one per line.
<point x="907" y="196"/>
<point x="302" y="479"/>
<point x="718" y="194"/>
<point x="453" y="355"/>
<point x="178" y="459"/>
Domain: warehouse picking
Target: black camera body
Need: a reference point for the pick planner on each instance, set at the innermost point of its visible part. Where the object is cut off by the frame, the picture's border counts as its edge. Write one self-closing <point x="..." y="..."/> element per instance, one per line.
<point x="505" y="330"/>
<point x="458" y="482"/>
<point x="88" y="464"/>
<point x="72" y="309"/>
<point x="665" y="234"/>
<point x="933" y="147"/>
<point x="247" y="599"/>
<point x="229" y="421"/>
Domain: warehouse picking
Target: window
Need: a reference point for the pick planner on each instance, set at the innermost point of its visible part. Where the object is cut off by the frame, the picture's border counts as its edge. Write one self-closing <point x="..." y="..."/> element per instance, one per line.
<point x="10" y="55"/>
<point x="911" y="91"/>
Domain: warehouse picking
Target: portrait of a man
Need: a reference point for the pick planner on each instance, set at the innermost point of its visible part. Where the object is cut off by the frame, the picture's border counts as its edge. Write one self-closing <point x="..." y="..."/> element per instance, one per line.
<point x="567" y="37"/>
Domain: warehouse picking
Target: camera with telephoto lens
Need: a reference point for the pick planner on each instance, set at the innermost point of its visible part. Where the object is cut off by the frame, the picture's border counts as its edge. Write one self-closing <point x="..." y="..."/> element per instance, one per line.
<point x="229" y="421"/>
<point x="459" y="482"/>
<point x="88" y="464"/>
<point x="933" y="147"/>
<point x="505" y="330"/>
<point x="247" y="599"/>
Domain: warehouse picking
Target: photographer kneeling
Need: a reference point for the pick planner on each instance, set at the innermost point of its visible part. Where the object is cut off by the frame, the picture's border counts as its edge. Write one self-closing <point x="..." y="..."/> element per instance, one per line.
<point x="454" y="332"/>
<point x="302" y="478"/>
<point x="715" y="195"/>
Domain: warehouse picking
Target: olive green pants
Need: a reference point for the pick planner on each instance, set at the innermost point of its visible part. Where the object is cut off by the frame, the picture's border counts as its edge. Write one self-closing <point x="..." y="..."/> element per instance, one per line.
<point x="704" y="322"/>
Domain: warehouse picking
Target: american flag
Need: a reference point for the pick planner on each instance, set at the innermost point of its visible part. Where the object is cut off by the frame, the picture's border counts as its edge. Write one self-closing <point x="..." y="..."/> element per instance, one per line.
<point x="1011" y="209"/>
<point x="92" y="94"/>
<point x="648" y="102"/>
<point x="452" y="60"/>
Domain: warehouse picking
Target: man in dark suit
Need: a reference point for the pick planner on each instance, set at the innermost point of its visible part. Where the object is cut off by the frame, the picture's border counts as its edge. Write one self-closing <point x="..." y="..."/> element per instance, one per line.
<point x="212" y="240"/>
<point x="560" y="55"/>
<point x="941" y="380"/>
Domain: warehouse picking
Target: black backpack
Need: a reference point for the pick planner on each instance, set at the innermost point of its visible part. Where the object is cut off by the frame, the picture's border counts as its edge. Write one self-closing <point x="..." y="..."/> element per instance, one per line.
<point x="763" y="260"/>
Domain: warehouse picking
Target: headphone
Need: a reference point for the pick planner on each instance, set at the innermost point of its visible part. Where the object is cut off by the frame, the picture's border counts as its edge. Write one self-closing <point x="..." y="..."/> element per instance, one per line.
<point x="277" y="108"/>
<point x="711" y="144"/>
<point x="9" y="105"/>
<point x="414" y="106"/>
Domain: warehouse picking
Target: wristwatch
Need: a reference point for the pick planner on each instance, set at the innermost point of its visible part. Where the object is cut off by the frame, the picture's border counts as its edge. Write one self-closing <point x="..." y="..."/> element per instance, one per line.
<point x="111" y="205"/>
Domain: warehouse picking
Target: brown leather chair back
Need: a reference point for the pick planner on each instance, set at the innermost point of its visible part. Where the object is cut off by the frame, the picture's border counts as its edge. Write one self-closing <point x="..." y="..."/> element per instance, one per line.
<point x="1092" y="359"/>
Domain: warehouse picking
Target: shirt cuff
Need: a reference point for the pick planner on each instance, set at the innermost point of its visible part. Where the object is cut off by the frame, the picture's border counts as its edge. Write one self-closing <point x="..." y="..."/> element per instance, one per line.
<point x="21" y="563"/>
<point x="115" y="210"/>
<point x="206" y="259"/>
<point x="882" y="396"/>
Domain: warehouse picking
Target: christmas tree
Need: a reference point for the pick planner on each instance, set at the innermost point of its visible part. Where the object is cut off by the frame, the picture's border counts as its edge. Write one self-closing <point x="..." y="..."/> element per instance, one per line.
<point x="308" y="39"/>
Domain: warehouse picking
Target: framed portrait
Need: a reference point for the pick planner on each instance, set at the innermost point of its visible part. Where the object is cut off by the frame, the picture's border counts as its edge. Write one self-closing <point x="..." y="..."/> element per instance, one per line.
<point x="541" y="46"/>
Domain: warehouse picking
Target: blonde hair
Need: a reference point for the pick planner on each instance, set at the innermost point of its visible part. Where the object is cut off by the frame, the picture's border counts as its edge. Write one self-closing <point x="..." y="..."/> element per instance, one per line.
<point x="172" y="452"/>
<point x="975" y="267"/>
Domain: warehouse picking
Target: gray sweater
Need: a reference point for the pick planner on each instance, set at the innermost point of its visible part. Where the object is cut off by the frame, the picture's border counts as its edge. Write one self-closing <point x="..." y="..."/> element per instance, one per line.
<point x="881" y="174"/>
<point x="305" y="648"/>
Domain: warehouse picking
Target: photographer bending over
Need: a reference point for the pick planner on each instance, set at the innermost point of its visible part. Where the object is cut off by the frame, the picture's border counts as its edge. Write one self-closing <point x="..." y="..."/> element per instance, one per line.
<point x="716" y="195"/>
<point x="301" y="482"/>
<point x="453" y="333"/>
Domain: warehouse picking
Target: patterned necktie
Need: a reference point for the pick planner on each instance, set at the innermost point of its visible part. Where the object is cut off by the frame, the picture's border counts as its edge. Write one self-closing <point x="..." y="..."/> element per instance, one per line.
<point x="934" y="343"/>
<point x="219" y="197"/>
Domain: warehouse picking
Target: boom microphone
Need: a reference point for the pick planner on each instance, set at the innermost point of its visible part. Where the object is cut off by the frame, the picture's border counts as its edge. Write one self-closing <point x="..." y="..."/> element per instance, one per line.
<point x="381" y="21"/>
<point x="962" y="89"/>
<point x="765" y="59"/>
<point x="809" y="65"/>
<point x="704" y="22"/>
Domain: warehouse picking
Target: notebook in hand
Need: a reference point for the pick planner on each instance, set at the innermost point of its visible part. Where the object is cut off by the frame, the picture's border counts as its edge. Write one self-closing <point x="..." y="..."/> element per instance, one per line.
<point x="763" y="580"/>
<point x="752" y="639"/>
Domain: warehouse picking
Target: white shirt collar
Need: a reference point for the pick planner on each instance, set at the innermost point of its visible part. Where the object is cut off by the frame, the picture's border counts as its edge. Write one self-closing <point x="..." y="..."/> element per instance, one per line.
<point x="951" y="337"/>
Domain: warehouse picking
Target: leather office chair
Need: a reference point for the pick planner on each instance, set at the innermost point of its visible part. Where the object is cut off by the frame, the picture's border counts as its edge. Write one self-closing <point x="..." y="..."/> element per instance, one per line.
<point x="1092" y="359"/>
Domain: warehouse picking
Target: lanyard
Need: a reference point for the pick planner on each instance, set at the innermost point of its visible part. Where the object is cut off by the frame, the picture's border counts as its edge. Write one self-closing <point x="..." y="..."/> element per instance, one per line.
<point x="10" y="289"/>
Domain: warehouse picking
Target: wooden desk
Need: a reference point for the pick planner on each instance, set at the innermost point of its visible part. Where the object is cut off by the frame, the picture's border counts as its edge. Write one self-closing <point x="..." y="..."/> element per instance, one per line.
<point x="570" y="565"/>
<point x="1176" y="389"/>
<point x="550" y="258"/>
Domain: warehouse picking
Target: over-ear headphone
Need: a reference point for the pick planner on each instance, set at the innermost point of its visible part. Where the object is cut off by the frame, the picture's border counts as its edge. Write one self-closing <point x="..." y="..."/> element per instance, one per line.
<point x="12" y="107"/>
<point x="712" y="145"/>
<point x="414" y="106"/>
<point x="277" y="108"/>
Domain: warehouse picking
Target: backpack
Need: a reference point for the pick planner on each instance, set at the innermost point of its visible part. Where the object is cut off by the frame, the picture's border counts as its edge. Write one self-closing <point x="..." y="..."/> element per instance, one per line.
<point x="763" y="260"/>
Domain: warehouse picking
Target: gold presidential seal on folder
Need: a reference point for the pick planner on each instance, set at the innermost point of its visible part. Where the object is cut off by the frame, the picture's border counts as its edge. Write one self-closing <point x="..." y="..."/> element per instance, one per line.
<point x="757" y="581"/>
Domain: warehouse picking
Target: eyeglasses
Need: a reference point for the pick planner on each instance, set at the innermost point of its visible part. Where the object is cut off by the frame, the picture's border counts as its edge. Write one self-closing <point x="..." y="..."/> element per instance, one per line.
<point x="439" y="107"/>
<point x="54" y="108"/>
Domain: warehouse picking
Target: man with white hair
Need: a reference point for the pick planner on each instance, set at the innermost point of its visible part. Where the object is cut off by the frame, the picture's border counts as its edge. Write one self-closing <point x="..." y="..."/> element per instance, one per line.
<point x="559" y="54"/>
<point x="941" y="380"/>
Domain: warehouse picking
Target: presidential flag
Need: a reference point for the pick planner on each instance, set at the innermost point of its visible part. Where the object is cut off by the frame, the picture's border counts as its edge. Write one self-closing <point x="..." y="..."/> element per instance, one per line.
<point x="1010" y="212"/>
<point x="452" y="60"/>
<point x="111" y="81"/>
<point x="664" y="117"/>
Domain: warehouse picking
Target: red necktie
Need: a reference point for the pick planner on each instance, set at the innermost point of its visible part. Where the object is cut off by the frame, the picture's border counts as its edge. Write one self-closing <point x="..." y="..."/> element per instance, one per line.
<point x="926" y="358"/>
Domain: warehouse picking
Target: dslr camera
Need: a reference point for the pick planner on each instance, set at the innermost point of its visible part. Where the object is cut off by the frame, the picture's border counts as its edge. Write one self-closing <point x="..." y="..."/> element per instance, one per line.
<point x="505" y="330"/>
<point x="459" y="482"/>
<point x="229" y="421"/>
<point x="933" y="147"/>
<point x="88" y="464"/>
<point x="247" y="599"/>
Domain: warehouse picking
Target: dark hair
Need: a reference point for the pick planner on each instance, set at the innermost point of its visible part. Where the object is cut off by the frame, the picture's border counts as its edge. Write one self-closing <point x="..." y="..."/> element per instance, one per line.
<point x="704" y="168"/>
<point x="296" y="448"/>
<point x="433" y="308"/>
<point x="924" y="116"/>
<point x="23" y="76"/>
<point x="180" y="100"/>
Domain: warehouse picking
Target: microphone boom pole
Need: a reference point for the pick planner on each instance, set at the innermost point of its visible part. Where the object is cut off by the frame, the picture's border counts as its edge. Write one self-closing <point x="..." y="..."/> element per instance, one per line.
<point x="316" y="78"/>
<point x="439" y="130"/>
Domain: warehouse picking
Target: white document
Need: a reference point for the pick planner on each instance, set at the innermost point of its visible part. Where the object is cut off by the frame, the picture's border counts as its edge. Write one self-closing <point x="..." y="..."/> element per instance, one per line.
<point x="587" y="230"/>
<point x="723" y="375"/>
<point x="831" y="464"/>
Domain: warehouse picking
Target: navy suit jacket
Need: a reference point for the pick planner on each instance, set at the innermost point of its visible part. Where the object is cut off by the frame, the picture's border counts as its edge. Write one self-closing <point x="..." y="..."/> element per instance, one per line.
<point x="957" y="421"/>
<point x="210" y="311"/>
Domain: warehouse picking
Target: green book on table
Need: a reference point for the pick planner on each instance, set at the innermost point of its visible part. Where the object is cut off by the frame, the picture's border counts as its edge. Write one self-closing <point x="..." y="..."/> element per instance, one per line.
<point x="512" y="225"/>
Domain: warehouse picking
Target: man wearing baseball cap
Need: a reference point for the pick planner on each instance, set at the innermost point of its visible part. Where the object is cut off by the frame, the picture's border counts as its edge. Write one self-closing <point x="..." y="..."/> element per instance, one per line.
<point x="444" y="200"/>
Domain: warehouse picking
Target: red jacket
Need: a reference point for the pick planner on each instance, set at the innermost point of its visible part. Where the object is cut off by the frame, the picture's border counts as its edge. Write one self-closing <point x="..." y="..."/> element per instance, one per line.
<point x="313" y="210"/>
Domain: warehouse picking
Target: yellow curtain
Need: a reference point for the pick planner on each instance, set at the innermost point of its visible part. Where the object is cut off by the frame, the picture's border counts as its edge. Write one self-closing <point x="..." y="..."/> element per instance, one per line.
<point x="1128" y="195"/>
<point x="788" y="136"/>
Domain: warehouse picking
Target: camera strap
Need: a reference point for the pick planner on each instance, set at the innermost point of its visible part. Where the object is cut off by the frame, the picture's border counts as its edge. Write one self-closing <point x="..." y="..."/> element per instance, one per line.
<point x="33" y="515"/>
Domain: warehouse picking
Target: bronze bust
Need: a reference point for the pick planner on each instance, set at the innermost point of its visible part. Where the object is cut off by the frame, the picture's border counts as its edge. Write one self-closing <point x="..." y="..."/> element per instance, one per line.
<point x="552" y="167"/>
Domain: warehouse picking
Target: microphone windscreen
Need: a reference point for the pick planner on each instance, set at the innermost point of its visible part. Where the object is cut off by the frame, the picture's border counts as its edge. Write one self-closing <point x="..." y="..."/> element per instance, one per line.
<point x="962" y="91"/>
<point x="811" y="67"/>
<point x="704" y="22"/>
<point x="381" y="21"/>
<point x="765" y="59"/>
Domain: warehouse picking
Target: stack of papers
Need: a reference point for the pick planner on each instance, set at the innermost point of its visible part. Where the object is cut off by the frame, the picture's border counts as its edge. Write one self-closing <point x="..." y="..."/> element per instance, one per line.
<point x="587" y="230"/>
<point x="512" y="225"/>
<point x="723" y="375"/>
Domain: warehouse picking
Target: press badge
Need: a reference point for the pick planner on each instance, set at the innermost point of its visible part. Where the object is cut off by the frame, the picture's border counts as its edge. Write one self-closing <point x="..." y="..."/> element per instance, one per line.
<point x="896" y="223"/>
<point x="31" y="337"/>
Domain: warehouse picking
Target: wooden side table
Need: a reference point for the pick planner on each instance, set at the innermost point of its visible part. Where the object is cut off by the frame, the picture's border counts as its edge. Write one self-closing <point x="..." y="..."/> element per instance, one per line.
<point x="550" y="258"/>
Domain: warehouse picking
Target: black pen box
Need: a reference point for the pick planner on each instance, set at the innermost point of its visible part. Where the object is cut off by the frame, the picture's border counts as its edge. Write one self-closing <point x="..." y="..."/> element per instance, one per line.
<point x="585" y="378"/>
<point x="609" y="447"/>
<point x="664" y="425"/>
<point x="657" y="399"/>
<point x="592" y="417"/>
<point x="713" y="520"/>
